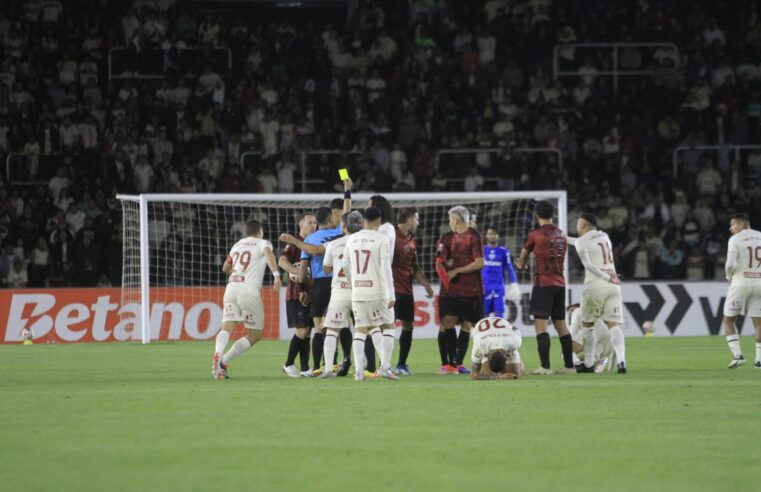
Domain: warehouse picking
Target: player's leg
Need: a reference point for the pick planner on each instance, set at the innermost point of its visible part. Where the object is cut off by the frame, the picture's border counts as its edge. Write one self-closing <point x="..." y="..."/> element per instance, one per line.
<point x="757" y="326"/>
<point x="318" y="343"/>
<point x="498" y="305"/>
<point x="387" y="340"/>
<point x="241" y="345"/>
<point x="448" y="324"/>
<point x="404" y="311"/>
<point x="252" y="309"/>
<point x="360" y="335"/>
<point x="371" y="364"/>
<point x="298" y="317"/>
<point x="733" y="306"/>
<point x="540" y="309"/>
<point x="471" y="312"/>
<point x="489" y="304"/>
<point x="331" y="345"/>
<point x="223" y="337"/>
<point x="590" y="312"/>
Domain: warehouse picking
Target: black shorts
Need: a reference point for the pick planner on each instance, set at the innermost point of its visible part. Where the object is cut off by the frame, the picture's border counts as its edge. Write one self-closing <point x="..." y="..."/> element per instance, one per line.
<point x="404" y="308"/>
<point x="470" y="309"/>
<point x="548" y="302"/>
<point x="297" y="314"/>
<point x="320" y="297"/>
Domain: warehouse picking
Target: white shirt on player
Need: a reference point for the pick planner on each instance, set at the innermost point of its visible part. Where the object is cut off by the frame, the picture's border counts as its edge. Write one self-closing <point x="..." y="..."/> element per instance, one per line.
<point x="596" y="254"/>
<point x="367" y="265"/>
<point x="248" y="262"/>
<point x="495" y="334"/>
<point x="743" y="265"/>
<point x="334" y="258"/>
<point x="389" y="231"/>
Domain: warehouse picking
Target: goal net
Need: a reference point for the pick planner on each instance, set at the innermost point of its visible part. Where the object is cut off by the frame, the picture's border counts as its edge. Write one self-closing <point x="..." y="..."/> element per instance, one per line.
<point x="175" y="245"/>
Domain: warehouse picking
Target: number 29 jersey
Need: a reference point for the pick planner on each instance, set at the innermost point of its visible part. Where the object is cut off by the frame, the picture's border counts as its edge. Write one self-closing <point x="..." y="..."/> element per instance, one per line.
<point x="549" y="244"/>
<point x="248" y="262"/>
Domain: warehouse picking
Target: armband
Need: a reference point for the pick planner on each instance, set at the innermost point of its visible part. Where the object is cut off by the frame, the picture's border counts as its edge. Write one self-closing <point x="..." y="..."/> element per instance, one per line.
<point x="347" y="195"/>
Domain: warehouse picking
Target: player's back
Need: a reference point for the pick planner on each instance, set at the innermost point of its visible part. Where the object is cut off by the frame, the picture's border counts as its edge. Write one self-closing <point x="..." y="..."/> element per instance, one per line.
<point x="549" y="244"/>
<point x="598" y="247"/>
<point x="494" y="334"/>
<point x="248" y="263"/>
<point x="334" y="256"/>
<point x="364" y="253"/>
<point x="747" y="245"/>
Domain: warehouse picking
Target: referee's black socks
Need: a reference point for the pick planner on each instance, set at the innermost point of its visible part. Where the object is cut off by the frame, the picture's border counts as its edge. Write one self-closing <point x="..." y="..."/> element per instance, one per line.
<point x="566" y="343"/>
<point x="462" y="346"/>
<point x="543" y="347"/>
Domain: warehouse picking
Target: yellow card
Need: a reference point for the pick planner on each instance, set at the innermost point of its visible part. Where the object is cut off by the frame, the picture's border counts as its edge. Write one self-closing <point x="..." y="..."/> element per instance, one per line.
<point x="343" y="174"/>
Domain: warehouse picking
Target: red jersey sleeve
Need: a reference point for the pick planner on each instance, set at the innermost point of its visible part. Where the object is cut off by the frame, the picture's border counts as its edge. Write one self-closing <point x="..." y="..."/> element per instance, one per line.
<point x="530" y="242"/>
<point x="476" y="245"/>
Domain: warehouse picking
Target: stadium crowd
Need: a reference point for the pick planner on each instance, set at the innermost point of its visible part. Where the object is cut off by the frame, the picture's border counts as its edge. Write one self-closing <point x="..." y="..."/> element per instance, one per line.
<point x="388" y="85"/>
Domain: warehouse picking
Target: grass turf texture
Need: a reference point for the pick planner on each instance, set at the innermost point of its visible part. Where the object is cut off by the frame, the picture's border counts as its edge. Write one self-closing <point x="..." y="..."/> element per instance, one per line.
<point x="132" y="417"/>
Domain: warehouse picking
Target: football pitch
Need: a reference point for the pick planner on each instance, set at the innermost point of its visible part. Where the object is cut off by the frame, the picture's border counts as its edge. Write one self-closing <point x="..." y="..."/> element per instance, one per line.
<point x="131" y="417"/>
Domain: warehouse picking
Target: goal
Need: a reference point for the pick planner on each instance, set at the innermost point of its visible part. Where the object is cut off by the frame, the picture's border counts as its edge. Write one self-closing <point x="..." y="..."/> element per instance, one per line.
<point x="174" y="246"/>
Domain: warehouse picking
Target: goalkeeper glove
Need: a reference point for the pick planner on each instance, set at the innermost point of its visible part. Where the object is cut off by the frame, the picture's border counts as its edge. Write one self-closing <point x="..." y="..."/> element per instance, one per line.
<point x="514" y="293"/>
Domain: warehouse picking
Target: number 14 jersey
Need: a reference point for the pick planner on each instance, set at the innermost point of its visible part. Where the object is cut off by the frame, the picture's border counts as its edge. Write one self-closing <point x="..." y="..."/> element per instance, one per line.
<point x="597" y="245"/>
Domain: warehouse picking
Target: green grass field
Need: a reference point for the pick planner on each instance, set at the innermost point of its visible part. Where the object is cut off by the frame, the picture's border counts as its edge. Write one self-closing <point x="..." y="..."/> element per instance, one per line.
<point x="131" y="417"/>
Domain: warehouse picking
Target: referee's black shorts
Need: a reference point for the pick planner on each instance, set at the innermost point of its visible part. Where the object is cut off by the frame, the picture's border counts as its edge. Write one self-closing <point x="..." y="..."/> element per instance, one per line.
<point x="548" y="302"/>
<point x="297" y="314"/>
<point x="469" y="309"/>
<point x="404" y="308"/>
<point x="320" y="297"/>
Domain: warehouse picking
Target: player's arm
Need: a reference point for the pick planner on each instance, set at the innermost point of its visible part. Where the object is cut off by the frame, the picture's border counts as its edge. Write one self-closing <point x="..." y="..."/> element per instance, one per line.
<point x="422" y="280"/>
<point x="227" y="266"/>
<point x="270" y="256"/>
<point x="287" y="265"/>
<point x="327" y="262"/>
<point x="528" y="247"/>
<point x="311" y="249"/>
<point x="571" y="240"/>
<point x="474" y="266"/>
<point x="731" y="264"/>
<point x="487" y="375"/>
<point x="347" y="195"/>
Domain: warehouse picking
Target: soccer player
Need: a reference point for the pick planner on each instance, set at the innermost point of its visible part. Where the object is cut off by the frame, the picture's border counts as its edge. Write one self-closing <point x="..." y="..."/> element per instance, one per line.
<point x="498" y="262"/>
<point x="339" y="308"/>
<point x="459" y="260"/>
<point x="297" y="313"/>
<point x="405" y="267"/>
<point x="243" y="299"/>
<point x="549" y="244"/>
<point x="495" y="350"/>
<point x="603" y="352"/>
<point x="601" y="297"/>
<point x="743" y="269"/>
<point x="367" y="265"/>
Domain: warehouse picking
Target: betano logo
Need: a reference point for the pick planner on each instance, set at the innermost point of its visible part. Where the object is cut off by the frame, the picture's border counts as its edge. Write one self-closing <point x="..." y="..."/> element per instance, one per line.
<point x="96" y="315"/>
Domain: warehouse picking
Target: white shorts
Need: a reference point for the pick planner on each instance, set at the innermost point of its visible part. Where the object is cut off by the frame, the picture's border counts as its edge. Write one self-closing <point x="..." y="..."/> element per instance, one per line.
<point x="602" y="301"/>
<point x="243" y="305"/>
<point x="743" y="300"/>
<point x="369" y="314"/>
<point x="338" y="314"/>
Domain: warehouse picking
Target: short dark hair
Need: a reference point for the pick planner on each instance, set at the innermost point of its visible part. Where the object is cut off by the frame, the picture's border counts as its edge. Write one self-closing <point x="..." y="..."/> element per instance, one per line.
<point x="497" y="361"/>
<point x="305" y="215"/>
<point x="322" y="215"/>
<point x="371" y="214"/>
<point x="337" y="204"/>
<point x="253" y="227"/>
<point x="492" y="228"/>
<point x="544" y="210"/>
<point x="590" y="218"/>
<point x="384" y="206"/>
<point x="740" y="216"/>
<point x="405" y="214"/>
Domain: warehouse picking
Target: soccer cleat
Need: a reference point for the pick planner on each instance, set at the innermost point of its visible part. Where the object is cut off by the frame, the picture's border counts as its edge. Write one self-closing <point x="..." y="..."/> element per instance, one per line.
<point x="222" y="373"/>
<point x="343" y="369"/>
<point x="291" y="371"/>
<point x="403" y="370"/>
<point x="318" y="371"/>
<point x="388" y="374"/>
<point x="448" y="369"/>
<point x="462" y="369"/>
<point x="326" y="375"/>
<point x="600" y="365"/>
<point x="309" y="374"/>
<point x="371" y="375"/>
<point x="541" y="372"/>
<point x="757" y="365"/>
<point x="581" y="368"/>
<point x="565" y="371"/>
<point x="621" y="367"/>
<point x="736" y="362"/>
<point x="215" y="366"/>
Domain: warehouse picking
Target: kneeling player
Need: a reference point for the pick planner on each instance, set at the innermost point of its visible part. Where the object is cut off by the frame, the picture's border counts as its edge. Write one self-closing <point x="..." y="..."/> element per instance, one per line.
<point x="243" y="295"/>
<point x="604" y="355"/>
<point x="495" y="350"/>
<point x="339" y="307"/>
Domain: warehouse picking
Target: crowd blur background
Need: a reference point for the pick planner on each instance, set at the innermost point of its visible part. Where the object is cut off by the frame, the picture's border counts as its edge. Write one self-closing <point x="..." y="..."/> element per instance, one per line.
<point x="100" y="97"/>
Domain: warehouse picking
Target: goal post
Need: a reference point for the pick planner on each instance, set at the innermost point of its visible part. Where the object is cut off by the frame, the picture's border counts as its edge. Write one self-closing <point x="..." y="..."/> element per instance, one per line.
<point x="174" y="245"/>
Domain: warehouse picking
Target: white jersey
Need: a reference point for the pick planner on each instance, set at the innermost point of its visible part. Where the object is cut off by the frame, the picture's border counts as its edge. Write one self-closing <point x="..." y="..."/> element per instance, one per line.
<point x="596" y="254"/>
<point x="389" y="231"/>
<point x="743" y="266"/>
<point x="494" y="334"/>
<point x="334" y="258"/>
<point x="367" y="265"/>
<point x="248" y="262"/>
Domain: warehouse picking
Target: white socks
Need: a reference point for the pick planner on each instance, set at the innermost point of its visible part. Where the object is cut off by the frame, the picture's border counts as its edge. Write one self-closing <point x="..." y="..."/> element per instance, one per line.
<point x="734" y="346"/>
<point x="240" y="346"/>
<point x="576" y="360"/>
<point x="617" y="337"/>
<point x="358" y="347"/>
<point x="329" y="350"/>
<point x="377" y="337"/>
<point x="387" y="348"/>
<point x="589" y="346"/>
<point x="758" y="352"/>
<point x="221" y="342"/>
